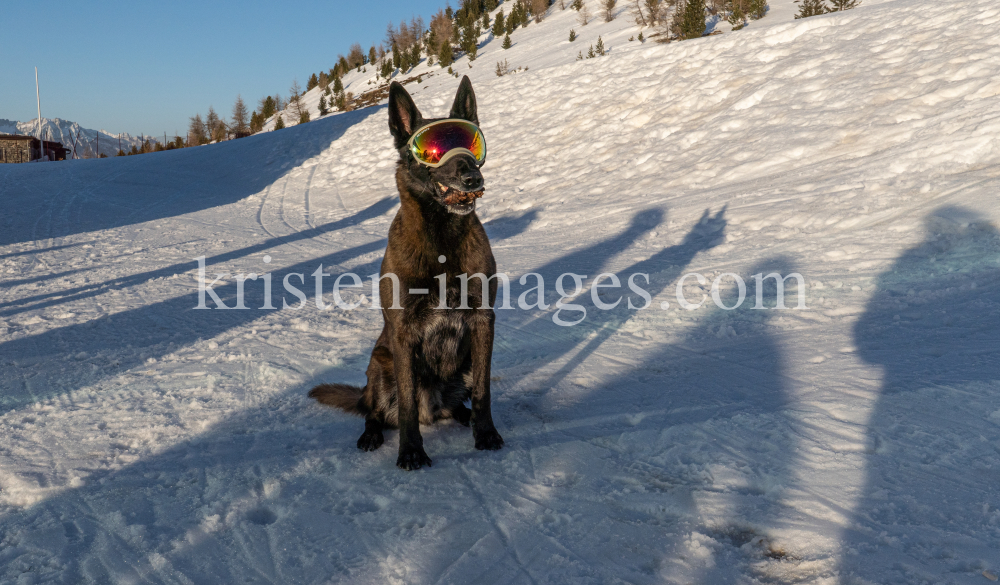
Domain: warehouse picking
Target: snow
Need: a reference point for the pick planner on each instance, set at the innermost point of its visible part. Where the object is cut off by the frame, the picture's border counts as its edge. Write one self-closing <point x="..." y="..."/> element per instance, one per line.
<point x="854" y="441"/>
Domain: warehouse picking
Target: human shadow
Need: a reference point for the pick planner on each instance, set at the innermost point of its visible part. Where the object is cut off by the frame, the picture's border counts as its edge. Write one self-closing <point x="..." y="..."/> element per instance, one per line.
<point x="80" y="196"/>
<point x="509" y="226"/>
<point x="928" y="505"/>
<point x="732" y="372"/>
<point x="621" y="445"/>
<point x="659" y="271"/>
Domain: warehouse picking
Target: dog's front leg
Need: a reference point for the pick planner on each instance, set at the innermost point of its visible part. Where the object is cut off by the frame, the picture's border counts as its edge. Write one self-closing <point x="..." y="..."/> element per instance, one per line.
<point x="483" y="431"/>
<point x="411" y="444"/>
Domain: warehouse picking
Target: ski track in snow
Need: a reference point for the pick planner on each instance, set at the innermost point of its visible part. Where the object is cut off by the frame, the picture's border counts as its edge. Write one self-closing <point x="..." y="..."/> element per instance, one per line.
<point x="855" y="441"/>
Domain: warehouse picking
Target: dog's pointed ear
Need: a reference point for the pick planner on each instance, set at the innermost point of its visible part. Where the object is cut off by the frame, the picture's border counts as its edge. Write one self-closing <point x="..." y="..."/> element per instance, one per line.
<point x="464" y="107"/>
<point x="404" y="116"/>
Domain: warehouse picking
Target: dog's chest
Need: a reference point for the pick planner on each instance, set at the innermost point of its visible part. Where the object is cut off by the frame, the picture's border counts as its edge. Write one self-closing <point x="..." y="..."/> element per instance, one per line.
<point x="444" y="342"/>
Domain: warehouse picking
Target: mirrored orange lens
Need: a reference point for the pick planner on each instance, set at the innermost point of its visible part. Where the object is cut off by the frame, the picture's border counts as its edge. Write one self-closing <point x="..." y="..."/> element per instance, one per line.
<point x="431" y="143"/>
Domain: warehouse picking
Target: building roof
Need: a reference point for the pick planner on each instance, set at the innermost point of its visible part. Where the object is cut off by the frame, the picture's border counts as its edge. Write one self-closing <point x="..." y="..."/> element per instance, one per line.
<point x="16" y="137"/>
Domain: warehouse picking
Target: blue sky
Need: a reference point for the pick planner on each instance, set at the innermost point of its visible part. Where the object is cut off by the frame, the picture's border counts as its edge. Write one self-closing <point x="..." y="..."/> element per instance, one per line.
<point x="146" y="67"/>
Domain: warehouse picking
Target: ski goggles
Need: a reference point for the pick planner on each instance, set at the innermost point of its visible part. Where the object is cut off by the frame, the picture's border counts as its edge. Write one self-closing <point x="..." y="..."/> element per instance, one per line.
<point x="439" y="141"/>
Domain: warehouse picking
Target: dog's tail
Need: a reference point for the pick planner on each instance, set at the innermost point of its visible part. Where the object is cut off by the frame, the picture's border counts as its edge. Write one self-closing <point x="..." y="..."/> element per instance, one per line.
<point x="342" y="396"/>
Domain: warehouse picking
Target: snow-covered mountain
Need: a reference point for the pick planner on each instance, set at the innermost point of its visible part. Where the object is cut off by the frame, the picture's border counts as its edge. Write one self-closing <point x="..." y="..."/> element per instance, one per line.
<point x="87" y="142"/>
<point x="855" y="440"/>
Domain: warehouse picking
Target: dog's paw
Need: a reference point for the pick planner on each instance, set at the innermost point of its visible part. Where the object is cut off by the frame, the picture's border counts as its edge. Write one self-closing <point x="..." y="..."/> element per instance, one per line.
<point x="411" y="458"/>
<point x="369" y="441"/>
<point x="489" y="440"/>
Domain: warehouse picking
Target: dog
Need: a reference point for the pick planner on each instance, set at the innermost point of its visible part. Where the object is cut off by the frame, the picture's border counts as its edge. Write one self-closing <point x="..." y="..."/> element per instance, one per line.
<point x="429" y="360"/>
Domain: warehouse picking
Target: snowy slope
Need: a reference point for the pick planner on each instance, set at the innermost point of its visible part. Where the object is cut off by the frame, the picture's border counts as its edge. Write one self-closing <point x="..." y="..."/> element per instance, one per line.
<point x="855" y="441"/>
<point x="88" y="142"/>
<point x="537" y="46"/>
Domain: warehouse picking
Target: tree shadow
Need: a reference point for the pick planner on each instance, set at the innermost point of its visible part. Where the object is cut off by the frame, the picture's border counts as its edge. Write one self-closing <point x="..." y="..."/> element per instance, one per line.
<point x="55" y="201"/>
<point x="929" y="504"/>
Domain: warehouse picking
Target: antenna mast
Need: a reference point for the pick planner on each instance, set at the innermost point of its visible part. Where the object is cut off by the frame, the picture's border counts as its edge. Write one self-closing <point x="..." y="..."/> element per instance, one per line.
<point x="41" y="145"/>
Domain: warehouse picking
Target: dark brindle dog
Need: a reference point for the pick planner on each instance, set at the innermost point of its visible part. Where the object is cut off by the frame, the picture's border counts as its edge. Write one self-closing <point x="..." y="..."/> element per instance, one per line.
<point x="429" y="360"/>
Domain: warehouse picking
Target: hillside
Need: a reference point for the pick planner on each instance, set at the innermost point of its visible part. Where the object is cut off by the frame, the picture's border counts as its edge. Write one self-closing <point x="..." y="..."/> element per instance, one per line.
<point x="853" y="441"/>
<point x="537" y="46"/>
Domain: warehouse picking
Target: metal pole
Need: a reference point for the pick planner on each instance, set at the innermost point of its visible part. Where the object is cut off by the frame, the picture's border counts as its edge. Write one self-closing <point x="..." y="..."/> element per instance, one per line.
<point x="38" y="99"/>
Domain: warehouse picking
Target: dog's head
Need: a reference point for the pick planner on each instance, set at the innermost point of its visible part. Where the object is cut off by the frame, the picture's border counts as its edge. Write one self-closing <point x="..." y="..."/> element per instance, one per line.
<point x="450" y="181"/>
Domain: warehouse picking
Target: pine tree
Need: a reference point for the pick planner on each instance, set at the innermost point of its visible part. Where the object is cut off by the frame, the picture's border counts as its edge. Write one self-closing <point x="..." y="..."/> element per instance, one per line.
<point x="758" y="8"/>
<point x="572" y="35"/>
<point x="470" y="41"/>
<point x="279" y="123"/>
<point x="446" y="55"/>
<point x="322" y="106"/>
<point x="811" y="8"/>
<point x="590" y="52"/>
<point x="525" y="19"/>
<point x="608" y="6"/>
<point x="641" y="38"/>
<point x="240" y="125"/>
<point x="692" y="25"/>
<point x="486" y="21"/>
<point x="579" y="56"/>
<point x="212" y="123"/>
<point x="372" y="55"/>
<point x="655" y="10"/>
<point x="296" y="100"/>
<point x="313" y="82"/>
<point x="268" y="108"/>
<point x="338" y="85"/>
<point x="304" y="117"/>
<point x="736" y="18"/>
<point x="576" y="5"/>
<point x="498" y="25"/>
<point x="506" y="41"/>
<point x="196" y="131"/>
<point x="838" y="5"/>
<point x="600" y="46"/>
